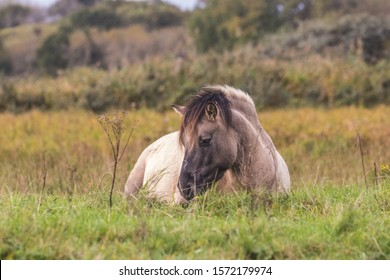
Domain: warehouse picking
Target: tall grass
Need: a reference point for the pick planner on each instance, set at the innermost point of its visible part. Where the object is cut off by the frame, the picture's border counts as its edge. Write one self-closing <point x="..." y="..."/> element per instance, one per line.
<point x="316" y="222"/>
<point x="310" y="140"/>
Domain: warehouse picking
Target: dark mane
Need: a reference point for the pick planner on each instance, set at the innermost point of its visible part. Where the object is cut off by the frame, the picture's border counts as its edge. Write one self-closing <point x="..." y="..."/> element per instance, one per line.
<point x="195" y="109"/>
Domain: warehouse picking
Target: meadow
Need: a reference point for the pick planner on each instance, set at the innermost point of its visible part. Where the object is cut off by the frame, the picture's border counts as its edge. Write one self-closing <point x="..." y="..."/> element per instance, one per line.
<point x="319" y="75"/>
<point x="56" y="168"/>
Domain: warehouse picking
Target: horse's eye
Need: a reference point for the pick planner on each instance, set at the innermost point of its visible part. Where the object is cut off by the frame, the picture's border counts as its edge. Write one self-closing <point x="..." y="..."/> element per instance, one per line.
<point x="204" y="141"/>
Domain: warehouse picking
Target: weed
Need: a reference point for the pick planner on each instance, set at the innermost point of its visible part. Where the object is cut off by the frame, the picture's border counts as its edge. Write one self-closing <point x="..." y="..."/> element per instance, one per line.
<point x="359" y="145"/>
<point x="114" y="128"/>
<point x="44" y="176"/>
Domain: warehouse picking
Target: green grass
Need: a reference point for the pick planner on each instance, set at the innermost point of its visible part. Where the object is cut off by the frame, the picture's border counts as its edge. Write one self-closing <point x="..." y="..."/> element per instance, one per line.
<point x="316" y="222"/>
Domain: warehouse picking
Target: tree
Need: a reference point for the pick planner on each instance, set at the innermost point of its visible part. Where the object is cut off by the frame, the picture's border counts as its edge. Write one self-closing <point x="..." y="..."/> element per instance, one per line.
<point x="5" y="61"/>
<point x="221" y="24"/>
<point x="13" y="15"/>
<point x="64" y="7"/>
<point x="102" y="18"/>
<point x="53" y="54"/>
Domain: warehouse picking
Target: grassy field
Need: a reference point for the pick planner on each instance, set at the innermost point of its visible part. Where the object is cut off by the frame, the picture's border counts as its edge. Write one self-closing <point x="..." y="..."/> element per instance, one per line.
<point x="55" y="173"/>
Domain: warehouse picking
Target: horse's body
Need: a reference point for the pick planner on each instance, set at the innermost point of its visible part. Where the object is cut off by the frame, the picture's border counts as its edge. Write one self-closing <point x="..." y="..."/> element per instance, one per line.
<point x="221" y="139"/>
<point x="158" y="169"/>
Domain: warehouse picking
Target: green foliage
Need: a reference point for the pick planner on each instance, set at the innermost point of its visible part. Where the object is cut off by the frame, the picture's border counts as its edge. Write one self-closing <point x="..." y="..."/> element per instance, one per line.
<point x="12" y="15"/>
<point x="53" y="54"/>
<point x="320" y="8"/>
<point x="5" y="61"/>
<point x="313" y="81"/>
<point x="113" y="15"/>
<point x="162" y="17"/>
<point x="58" y="50"/>
<point x="102" y="18"/>
<point x="89" y="2"/>
<point x="154" y="16"/>
<point x="222" y="24"/>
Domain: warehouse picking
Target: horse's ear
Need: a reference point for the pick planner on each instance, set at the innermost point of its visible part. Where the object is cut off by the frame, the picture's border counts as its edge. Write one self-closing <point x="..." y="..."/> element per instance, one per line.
<point x="211" y="112"/>
<point x="179" y="109"/>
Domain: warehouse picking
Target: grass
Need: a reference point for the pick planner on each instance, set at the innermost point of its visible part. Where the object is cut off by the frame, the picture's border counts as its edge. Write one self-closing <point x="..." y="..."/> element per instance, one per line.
<point x="329" y="215"/>
<point x="318" y="222"/>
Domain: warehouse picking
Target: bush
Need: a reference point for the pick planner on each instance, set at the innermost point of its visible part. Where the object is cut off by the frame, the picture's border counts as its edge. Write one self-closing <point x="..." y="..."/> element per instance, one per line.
<point x="102" y="18"/>
<point x="53" y="54"/>
<point x="109" y="15"/>
<point x="312" y="81"/>
<point x="151" y="15"/>
<point x="159" y="17"/>
<point x="358" y="35"/>
<point x="223" y="24"/>
<point x="13" y="15"/>
<point x="5" y="61"/>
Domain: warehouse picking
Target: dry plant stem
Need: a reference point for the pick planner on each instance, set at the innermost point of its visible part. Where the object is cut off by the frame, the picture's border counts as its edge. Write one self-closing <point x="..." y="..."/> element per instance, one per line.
<point x="117" y="157"/>
<point x="72" y="177"/>
<point x="375" y="175"/>
<point x="359" y="143"/>
<point x="44" y="176"/>
<point x="117" y="129"/>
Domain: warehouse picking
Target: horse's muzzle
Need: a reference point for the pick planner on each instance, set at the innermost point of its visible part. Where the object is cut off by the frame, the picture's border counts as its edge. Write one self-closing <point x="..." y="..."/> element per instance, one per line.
<point x="187" y="191"/>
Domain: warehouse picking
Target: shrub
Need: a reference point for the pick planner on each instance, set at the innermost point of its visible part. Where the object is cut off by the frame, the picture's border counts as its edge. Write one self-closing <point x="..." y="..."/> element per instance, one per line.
<point x="152" y="16"/>
<point x="223" y="24"/>
<point x="359" y="35"/>
<point x="102" y="18"/>
<point x="160" y="17"/>
<point x="5" y="61"/>
<point x="13" y="15"/>
<point x="53" y="54"/>
<point x="312" y="81"/>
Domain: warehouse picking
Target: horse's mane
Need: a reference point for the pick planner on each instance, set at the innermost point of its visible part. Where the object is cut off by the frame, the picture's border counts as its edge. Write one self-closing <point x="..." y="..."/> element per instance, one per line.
<point x="196" y="106"/>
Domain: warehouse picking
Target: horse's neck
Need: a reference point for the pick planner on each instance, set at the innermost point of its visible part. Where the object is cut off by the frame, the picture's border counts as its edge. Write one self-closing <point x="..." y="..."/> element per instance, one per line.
<point x="246" y="109"/>
<point x="255" y="161"/>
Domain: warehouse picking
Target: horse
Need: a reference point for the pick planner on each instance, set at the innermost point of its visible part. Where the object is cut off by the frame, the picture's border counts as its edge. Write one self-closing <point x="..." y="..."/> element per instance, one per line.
<point x="220" y="142"/>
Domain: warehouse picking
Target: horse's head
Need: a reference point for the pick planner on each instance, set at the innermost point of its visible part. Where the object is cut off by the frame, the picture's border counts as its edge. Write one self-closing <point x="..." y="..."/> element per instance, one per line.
<point x="210" y="143"/>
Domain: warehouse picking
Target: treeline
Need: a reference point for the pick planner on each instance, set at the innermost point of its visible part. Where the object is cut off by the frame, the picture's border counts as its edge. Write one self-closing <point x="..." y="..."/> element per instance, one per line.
<point x="105" y="54"/>
<point x="78" y="32"/>
<point x="224" y="24"/>
<point x="92" y="32"/>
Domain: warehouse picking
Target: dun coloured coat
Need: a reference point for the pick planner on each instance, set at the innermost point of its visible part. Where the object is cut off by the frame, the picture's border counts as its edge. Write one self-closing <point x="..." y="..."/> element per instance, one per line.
<point x="220" y="141"/>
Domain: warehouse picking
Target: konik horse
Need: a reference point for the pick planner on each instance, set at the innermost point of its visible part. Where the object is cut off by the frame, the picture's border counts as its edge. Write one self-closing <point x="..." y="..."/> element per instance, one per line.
<point x="220" y="141"/>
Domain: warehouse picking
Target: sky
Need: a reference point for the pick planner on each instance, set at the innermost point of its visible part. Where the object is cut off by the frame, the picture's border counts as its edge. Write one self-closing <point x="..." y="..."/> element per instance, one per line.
<point x="183" y="4"/>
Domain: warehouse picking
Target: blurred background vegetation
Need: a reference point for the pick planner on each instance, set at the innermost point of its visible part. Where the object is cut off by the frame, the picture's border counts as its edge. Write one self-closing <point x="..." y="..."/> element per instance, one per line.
<point x="101" y="54"/>
<point x="63" y="64"/>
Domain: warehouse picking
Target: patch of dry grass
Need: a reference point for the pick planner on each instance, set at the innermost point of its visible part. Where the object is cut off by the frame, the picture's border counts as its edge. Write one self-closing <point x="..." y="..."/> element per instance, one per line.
<point x="318" y="145"/>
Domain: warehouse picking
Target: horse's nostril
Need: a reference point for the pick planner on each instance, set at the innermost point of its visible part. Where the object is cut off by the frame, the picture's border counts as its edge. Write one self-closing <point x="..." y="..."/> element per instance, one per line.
<point x="188" y="191"/>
